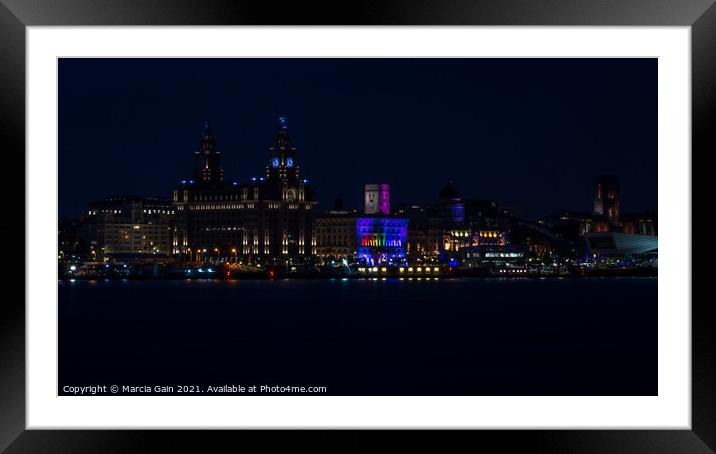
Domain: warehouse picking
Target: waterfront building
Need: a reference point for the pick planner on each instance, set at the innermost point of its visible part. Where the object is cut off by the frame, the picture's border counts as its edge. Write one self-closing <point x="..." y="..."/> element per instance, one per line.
<point x="424" y="244"/>
<point x="336" y="235"/>
<point x="456" y="239"/>
<point x="425" y="232"/>
<point x="128" y="225"/>
<point x="267" y="219"/>
<point x="381" y="240"/>
<point x="372" y="238"/>
<point x="380" y="236"/>
<point x="431" y="226"/>
<point x="442" y="230"/>
<point x="475" y="248"/>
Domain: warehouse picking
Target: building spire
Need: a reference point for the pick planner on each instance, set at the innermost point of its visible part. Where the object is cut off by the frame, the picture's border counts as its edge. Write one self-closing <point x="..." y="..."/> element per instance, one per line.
<point x="207" y="144"/>
<point x="207" y="161"/>
<point x="282" y="138"/>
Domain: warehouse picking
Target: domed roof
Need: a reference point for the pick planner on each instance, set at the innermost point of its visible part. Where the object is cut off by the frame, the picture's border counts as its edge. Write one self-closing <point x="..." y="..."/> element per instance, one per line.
<point x="449" y="191"/>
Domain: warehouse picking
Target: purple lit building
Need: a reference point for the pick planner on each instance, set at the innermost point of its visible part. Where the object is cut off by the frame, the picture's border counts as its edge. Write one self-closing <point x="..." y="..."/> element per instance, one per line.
<point x="381" y="237"/>
<point x="381" y="240"/>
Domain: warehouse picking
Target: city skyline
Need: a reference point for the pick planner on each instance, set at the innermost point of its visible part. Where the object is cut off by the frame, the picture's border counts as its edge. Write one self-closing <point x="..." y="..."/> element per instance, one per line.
<point x="151" y="161"/>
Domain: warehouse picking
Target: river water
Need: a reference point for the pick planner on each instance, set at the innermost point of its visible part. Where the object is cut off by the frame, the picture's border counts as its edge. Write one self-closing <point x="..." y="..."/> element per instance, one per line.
<point x="572" y="336"/>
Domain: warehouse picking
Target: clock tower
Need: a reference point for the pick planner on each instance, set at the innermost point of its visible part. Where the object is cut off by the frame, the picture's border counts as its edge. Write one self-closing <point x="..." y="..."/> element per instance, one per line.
<point x="282" y="163"/>
<point x="267" y="220"/>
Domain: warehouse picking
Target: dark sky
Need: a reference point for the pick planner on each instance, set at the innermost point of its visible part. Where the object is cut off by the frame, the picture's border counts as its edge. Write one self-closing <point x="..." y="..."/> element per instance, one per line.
<point x="531" y="133"/>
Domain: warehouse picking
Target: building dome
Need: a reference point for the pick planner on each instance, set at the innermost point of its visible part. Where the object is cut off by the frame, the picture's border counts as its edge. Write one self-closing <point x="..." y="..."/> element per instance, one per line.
<point x="449" y="192"/>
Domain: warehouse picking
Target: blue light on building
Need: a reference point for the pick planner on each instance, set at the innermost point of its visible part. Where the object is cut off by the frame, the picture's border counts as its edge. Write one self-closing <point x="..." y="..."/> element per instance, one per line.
<point x="381" y="240"/>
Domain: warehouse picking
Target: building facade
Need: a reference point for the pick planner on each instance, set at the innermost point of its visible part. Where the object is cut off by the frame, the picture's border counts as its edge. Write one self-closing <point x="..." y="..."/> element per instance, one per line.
<point x="268" y="219"/>
<point x="128" y="225"/>
<point x="441" y="231"/>
<point x="336" y="235"/>
<point x="381" y="240"/>
<point x="425" y="232"/>
<point x="375" y="237"/>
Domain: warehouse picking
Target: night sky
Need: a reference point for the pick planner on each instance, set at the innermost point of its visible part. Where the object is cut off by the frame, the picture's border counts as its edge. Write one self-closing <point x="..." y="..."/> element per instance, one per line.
<point x="530" y="133"/>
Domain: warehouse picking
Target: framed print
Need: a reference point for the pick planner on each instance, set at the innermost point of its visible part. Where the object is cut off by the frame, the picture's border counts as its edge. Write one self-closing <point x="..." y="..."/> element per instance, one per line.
<point x="408" y="217"/>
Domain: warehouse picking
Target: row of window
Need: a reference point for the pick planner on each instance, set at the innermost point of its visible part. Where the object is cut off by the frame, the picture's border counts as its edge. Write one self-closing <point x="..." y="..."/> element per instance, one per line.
<point x="242" y="206"/>
<point x="322" y="229"/>
<point x="146" y="211"/>
<point x="335" y="239"/>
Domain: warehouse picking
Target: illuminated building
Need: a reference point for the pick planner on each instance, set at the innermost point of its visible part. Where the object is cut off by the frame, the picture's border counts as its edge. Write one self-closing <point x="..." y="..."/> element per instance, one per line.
<point x="491" y="238"/>
<point x="456" y="239"/>
<point x="425" y="231"/>
<point x="377" y="199"/>
<point x="381" y="237"/>
<point x="129" y="225"/>
<point x="423" y="243"/>
<point x="370" y="239"/>
<point x="490" y="248"/>
<point x="440" y="228"/>
<point x="336" y="234"/>
<point x="480" y="247"/>
<point x="430" y="226"/>
<point x="266" y="219"/>
<point x="607" y="198"/>
<point x="381" y="240"/>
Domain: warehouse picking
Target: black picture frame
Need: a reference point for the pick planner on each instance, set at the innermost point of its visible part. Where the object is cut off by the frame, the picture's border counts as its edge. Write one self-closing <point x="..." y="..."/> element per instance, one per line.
<point x="16" y="15"/>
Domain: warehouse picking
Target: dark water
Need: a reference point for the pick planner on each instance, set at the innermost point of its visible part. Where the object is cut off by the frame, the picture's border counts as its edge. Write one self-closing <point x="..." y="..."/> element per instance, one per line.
<point x="595" y="336"/>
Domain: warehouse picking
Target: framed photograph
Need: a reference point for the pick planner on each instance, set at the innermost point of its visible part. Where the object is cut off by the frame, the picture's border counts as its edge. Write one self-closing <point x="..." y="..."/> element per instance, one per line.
<point x="417" y="216"/>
